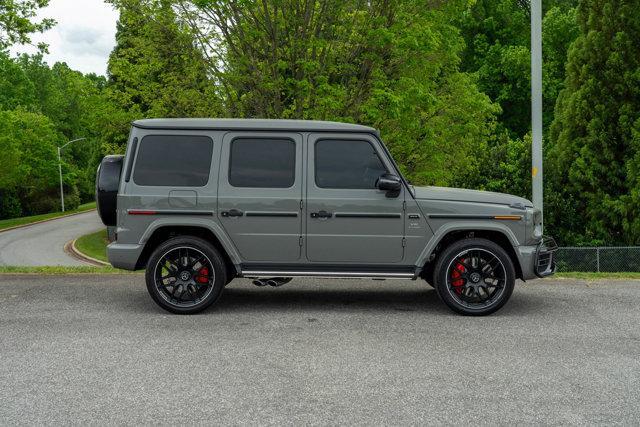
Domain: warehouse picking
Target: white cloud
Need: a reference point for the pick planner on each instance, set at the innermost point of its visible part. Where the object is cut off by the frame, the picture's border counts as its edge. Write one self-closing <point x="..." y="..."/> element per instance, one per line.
<point x="83" y="37"/>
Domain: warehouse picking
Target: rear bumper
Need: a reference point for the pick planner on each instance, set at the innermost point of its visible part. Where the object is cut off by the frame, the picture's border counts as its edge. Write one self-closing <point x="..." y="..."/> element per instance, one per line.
<point x="124" y="256"/>
<point x="539" y="260"/>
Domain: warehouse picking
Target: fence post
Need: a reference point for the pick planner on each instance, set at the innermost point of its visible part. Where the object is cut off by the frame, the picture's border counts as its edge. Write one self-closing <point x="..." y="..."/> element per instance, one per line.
<point x="598" y="259"/>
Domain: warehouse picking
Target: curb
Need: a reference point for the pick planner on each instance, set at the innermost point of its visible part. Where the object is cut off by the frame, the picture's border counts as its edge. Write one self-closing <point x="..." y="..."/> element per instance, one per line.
<point x="70" y="248"/>
<point x="15" y="227"/>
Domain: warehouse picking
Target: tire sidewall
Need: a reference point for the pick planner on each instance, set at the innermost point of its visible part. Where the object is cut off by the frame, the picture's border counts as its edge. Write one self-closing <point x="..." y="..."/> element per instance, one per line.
<point x="203" y="246"/>
<point x="447" y="256"/>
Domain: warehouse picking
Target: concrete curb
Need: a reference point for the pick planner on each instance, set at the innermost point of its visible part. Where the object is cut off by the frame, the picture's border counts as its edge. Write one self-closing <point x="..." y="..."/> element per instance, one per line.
<point x="70" y="248"/>
<point x="45" y="220"/>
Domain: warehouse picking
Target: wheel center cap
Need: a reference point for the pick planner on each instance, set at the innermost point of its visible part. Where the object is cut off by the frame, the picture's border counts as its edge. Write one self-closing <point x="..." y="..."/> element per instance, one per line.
<point x="184" y="276"/>
<point x="475" y="277"/>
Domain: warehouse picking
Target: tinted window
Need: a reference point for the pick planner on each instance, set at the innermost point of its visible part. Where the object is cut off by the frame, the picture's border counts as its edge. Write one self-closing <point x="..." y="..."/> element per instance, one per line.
<point x="173" y="161"/>
<point x="347" y="164"/>
<point x="262" y="163"/>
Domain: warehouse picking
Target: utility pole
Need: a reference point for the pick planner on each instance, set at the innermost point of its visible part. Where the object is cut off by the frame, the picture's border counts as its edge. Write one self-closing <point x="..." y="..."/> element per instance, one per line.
<point x="60" y="169"/>
<point x="536" y="103"/>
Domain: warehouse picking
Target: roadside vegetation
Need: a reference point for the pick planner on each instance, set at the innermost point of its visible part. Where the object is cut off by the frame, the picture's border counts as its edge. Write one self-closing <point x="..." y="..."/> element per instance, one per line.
<point x="14" y="222"/>
<point x="94" y="245"/>
<point x="63" y="270"/>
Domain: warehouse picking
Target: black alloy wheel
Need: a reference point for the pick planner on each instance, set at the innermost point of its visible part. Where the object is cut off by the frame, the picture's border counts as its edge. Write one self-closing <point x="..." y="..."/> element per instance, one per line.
<point x="475" y="276"/>
<point x="185" y="275"/>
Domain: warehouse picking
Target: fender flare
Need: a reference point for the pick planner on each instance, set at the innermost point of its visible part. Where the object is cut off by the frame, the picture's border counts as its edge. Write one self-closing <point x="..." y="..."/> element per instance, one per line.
<point x="465" y="226"/>
<point x="212" y="226"/>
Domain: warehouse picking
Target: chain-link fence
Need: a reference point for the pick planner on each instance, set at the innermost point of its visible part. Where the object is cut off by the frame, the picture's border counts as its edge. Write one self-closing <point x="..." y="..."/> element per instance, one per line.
<point x="609" y="259"/>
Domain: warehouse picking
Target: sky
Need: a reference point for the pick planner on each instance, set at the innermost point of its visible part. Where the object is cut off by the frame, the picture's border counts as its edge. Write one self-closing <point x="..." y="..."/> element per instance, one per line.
<point x="83" y="37"/>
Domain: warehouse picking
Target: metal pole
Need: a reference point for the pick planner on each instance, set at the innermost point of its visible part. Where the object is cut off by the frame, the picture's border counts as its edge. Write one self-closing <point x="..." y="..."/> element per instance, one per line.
<point x="536" y="103"/>
<point x="60" y="171"/>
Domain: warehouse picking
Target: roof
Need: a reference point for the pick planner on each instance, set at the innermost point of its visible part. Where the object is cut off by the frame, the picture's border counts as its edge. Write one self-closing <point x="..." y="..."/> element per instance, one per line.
<point x="252" y="124"/>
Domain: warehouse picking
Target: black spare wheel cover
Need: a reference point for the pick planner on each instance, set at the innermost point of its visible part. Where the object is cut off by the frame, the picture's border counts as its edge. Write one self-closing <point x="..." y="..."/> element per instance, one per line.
<point x="107" y="183"/>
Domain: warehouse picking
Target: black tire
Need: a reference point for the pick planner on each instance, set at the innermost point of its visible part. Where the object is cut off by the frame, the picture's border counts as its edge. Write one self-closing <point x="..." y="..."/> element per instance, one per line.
<point x="467" y="281"/>
<point x="200" y="257"/>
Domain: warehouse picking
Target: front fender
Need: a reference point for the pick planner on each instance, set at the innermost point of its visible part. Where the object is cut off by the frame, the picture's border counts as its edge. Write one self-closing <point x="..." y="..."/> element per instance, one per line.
<point x="471" y="225"/>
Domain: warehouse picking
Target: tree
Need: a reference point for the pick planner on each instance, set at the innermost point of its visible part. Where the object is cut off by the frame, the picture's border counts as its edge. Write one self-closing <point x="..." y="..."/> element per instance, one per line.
<point x="595" y="151"/>
<point x="393" y="65"/>
<point x="155" y="70"/>
<point x="16" y="21"/>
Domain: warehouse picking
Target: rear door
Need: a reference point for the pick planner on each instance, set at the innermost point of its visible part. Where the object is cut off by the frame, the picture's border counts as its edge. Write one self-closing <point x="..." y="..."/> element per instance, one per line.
<point x="348" y="220"/>
<point x="260" y="194"/>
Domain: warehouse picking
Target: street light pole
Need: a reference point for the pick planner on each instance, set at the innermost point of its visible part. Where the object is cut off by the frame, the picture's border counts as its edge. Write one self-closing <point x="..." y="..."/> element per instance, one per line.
<point x="60" y="168"/>
<point x="536" y="103"/>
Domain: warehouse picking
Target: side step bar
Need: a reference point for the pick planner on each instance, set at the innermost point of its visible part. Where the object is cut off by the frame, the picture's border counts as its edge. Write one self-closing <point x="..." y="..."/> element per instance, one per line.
<point x="334" y="274"/>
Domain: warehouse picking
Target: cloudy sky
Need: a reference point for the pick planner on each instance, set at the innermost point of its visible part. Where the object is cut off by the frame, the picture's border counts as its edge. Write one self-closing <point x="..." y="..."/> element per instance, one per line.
<point x="83" y="37"/>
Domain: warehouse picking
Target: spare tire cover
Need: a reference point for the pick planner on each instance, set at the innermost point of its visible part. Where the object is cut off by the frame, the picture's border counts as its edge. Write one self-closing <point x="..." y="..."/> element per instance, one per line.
<point x="107" y="183"/>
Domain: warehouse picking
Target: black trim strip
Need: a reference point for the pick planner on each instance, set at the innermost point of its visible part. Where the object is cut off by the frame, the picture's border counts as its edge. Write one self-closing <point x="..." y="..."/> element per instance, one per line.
<point x="168" y="212"/>
<point x="329" y="268"/>
<point x="460" y="216"/>
<point x="367" y="215"/>
<point x="273" y="214"/>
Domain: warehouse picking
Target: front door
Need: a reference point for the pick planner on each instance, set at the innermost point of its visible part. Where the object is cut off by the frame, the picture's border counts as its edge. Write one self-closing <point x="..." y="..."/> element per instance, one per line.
<point x="260" y="193"/>
<point x="348" y="220"/>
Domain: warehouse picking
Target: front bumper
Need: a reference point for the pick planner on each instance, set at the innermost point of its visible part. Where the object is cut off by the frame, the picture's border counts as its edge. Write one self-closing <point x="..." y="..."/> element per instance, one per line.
<point x="544" y="262"/>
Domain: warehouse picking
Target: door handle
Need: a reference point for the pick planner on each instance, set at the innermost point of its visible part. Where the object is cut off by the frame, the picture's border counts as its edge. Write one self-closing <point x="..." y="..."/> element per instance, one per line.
<point x="321" y="214"/>
<point x="232" y="213"/>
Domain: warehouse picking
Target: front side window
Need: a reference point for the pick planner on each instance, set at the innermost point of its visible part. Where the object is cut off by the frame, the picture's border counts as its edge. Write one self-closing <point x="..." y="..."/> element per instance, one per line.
<point x="262" y="163"/>
<point x="173" y="161"/>
<point x="347" y="164"/>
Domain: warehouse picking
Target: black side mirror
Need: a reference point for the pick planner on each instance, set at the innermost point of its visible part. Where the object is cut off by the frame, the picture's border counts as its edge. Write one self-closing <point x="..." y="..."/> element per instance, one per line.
<point x="390" y="183"/>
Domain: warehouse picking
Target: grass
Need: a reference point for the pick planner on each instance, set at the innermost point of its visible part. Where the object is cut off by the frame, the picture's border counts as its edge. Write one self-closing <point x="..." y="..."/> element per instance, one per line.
<point x="596" y="276"/>
<point x="13" y="222"/>
<point x="62" y="270"/>
<point x="94" y="245"/>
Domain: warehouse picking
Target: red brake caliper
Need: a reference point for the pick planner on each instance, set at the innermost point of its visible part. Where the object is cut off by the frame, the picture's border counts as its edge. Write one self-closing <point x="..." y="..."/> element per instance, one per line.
<point x="203" y="275"/>
<point x="456" y="280"/>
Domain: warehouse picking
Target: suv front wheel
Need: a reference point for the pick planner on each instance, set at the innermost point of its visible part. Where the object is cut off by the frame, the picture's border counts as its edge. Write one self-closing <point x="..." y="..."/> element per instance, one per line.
<point x="474" y="276"/>
<point x="185" y="275"/>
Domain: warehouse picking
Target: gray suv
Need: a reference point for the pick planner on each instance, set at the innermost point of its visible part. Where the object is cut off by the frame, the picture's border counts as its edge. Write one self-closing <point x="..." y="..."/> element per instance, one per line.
<point x="198" y="202"/>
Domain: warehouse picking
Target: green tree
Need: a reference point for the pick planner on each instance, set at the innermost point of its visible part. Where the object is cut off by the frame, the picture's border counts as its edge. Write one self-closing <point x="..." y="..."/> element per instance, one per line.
<point x="28" y="166"/>
<point x="594" y="137"/>
<point x="155" y="70"/>
<point x="393" y="65"/>
<point x="16" y="21"/>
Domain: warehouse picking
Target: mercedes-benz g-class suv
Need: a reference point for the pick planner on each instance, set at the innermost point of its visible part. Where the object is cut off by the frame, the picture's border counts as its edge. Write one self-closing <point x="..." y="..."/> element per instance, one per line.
<point x="199" y="202"/>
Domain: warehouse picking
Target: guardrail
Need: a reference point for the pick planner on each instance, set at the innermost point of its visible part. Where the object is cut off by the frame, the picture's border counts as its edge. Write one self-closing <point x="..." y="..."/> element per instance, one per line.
<point x="598" y="258"/>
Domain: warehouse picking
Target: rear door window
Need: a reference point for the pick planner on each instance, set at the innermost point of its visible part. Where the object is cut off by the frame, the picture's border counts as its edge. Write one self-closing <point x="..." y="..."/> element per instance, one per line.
<point x="262" y="163"/>
<point x="173" y="161"/>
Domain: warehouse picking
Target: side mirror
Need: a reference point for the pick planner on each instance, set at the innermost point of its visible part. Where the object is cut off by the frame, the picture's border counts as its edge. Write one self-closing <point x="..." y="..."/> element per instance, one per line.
<point x="389" y="183"/>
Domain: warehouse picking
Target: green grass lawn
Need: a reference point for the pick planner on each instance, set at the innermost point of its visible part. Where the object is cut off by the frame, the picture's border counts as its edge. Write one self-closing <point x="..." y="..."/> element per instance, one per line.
<point x="8" y="223"/>
<point x="94" y="245"/>
<point x="63" y="270"/>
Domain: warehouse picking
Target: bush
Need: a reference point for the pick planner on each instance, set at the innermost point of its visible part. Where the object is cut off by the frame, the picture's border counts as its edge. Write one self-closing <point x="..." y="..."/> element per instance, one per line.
<point x="10" y="206"/>
<point x="39" y="201"/>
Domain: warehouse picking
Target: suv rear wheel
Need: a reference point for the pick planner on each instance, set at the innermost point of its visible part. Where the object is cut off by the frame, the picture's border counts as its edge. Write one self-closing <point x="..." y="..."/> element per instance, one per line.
<point x="185" y="275"/>
<point x="474" y="276"/>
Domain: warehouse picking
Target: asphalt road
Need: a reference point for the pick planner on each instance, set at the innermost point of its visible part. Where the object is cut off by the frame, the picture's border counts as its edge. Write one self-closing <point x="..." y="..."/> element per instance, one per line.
<point x="43" y="244"/>
<point x="96" y="349"/>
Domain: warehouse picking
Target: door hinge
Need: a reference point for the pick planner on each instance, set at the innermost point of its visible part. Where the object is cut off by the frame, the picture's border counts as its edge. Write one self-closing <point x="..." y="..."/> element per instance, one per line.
<point x="300" y="241"/>
<point x="404" y="242"/>
<point x="404" y="206"/>
<point x="300" y="204"/>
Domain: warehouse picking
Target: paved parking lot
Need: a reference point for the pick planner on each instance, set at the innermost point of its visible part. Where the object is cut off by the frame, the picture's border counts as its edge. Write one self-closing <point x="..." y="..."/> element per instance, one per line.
<point x="96" y="349"/>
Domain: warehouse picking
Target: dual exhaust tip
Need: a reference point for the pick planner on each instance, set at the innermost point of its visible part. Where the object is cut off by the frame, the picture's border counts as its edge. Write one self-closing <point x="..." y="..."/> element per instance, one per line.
<point x="272" y="281"/>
